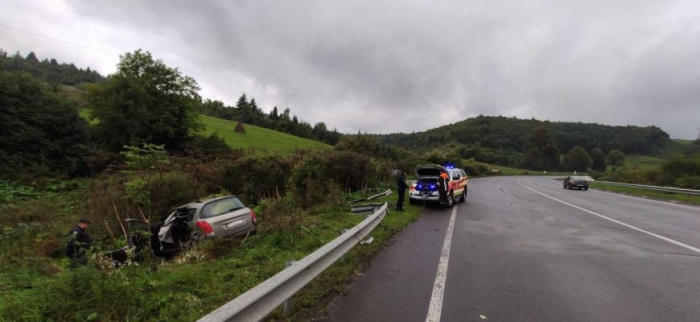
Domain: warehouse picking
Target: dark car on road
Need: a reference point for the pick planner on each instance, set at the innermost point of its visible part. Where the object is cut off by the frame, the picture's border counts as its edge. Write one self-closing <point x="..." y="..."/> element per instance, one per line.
<point x="579" y="182"/>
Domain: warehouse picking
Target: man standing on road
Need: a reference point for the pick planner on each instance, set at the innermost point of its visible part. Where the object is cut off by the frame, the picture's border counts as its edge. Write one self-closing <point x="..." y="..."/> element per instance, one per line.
<point x="401" y="189"/>
<point x="78" y="243"/>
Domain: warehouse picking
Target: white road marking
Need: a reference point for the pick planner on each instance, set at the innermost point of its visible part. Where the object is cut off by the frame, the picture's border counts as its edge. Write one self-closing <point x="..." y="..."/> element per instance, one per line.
<point x="697" y="250"/>
<point x="435" y="309"/>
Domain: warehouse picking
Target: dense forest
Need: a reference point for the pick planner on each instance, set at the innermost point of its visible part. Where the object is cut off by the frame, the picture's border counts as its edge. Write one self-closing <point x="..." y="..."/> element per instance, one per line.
<point x="48" y="70"/>
<point x="503" y="133"/>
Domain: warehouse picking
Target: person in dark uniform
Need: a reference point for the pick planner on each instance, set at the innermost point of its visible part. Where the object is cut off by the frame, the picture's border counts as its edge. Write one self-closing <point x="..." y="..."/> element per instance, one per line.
<point x="401" y="189"/>
<point x="78" y="243"/>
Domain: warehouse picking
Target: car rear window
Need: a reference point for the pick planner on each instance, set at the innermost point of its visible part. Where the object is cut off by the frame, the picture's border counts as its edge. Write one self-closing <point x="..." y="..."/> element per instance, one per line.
<point x="220" y="207"/>
<point x="579" y="178"/>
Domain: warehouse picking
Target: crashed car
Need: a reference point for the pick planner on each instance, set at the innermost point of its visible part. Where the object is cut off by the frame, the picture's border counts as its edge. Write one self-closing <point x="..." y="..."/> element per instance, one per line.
<point x="218" y="217"/>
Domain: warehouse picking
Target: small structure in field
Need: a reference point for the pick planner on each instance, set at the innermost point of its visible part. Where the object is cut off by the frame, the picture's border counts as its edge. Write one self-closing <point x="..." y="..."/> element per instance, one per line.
<point x="239" y="128"/>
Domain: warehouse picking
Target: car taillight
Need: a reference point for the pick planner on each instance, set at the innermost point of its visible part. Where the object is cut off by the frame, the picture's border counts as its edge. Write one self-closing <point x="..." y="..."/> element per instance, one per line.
<point x="205" y="227"/>
<point x="252" y="215"/>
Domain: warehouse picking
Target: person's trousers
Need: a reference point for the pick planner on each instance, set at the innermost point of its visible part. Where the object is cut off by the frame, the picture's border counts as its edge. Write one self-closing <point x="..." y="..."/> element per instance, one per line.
<point x="399" y="203"/>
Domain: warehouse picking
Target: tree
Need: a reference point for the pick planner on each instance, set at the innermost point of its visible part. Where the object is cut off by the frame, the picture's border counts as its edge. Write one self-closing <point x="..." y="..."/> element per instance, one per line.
<point x="39" y="131"/>
<point x="542" y="152"/>
<point x="320" y="131"/>
<point x="242" y="102"/>
<point x="598" y="159"/>
<point x="360" y="143"/>
<point x="616" y="158"/>
<point x="274" y="115"/>
<point x="145" y="101"/>
<point x="285" y="115"/>
<point x="253" y="106"/>
<point x="31" y="56"/>
<point x="578" y="159"/>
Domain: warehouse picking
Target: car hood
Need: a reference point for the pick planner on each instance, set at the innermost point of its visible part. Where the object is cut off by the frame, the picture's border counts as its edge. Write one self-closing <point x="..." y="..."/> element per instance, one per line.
<point x="429" y="171"/>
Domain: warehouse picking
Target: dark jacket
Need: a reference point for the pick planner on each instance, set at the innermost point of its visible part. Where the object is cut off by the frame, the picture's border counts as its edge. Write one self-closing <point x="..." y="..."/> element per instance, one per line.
<point x="401" y="183"/>
<point x="78" y="242"/>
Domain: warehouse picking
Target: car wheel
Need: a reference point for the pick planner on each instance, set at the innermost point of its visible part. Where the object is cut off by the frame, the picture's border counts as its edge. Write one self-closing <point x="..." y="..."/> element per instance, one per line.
<point x="464" y="195"/>
<point x="411" y="202"/>
<point x="450" y="201"/>
<point x="586" y="188"/>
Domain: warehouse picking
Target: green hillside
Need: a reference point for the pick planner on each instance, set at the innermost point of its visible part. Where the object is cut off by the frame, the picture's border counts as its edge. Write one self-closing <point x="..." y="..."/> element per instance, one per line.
<point x="257" y="137"/>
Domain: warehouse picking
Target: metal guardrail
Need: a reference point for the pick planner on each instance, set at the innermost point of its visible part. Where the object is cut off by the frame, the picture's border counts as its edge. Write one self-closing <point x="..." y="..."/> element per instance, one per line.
<point x="358" y="209"/>
<point x="654" y="188"/>
<point x="370" y="198"/>
<point x="259" y="301"/>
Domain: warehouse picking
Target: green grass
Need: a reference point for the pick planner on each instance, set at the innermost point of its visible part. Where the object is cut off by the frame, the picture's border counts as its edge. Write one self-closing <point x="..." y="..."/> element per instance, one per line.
<point x="642" y="161"/>
<point x="41" y="288"/>
<point x="257" y="137"/>
<point x="647" y="193"/>
<point x="85" y="113"/>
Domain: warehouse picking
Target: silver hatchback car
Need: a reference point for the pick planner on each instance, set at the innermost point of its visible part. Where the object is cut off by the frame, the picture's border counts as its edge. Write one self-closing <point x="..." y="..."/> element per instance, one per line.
<point x="216" y="217"/>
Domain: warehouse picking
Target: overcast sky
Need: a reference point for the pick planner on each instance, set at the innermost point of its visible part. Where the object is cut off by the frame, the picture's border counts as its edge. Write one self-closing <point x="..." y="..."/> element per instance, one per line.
<point x="398" y="66"/>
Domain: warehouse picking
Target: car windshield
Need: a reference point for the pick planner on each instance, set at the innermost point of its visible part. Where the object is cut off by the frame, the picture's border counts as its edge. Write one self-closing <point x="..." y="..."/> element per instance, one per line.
<point x="220" y="207"/>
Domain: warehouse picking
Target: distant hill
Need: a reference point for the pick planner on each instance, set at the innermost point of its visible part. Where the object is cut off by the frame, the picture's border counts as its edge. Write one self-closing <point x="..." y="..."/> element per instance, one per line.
<point x="48" y="70"/>
<point x="509" y="133"/>
<point x="258" y="137"/>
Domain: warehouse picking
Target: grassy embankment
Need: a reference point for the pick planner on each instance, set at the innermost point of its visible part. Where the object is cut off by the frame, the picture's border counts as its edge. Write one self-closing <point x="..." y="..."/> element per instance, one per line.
<point x="647" y="193"/>
<point x="37" y="285"/>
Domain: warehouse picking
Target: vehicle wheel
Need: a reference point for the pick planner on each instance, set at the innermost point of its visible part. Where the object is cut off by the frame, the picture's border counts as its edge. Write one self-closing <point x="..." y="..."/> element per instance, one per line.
<point x="450" y="201"/>
<point x="464" y="195"/>
<point x="411" y="202"/>
<point x="586" y="188"/>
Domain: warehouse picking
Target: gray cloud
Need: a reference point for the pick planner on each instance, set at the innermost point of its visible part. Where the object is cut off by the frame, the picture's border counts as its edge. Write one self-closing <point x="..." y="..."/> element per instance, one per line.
<point x="387" y="66"/>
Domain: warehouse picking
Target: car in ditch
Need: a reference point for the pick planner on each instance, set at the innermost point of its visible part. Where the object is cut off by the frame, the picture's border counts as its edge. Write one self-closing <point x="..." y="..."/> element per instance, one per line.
<point x="186" y="224"/>
<point x="578" y="182"/>
<point x="426" y="187"/>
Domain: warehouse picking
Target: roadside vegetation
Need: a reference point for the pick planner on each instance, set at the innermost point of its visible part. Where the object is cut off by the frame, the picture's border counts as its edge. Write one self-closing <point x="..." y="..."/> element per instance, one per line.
<point x="690" y="199"/>
<point x="137" y="143"/>
<point x="134" y="145"/>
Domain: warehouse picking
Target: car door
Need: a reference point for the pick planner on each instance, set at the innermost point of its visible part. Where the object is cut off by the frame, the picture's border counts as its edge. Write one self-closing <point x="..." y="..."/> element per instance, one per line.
<point x="457" y="182"/>
<point x="226" y="216"/>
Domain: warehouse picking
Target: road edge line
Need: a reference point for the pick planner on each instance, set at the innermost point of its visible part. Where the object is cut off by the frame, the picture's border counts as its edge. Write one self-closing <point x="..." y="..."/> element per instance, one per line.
<point x="677" y="243"/>
<point x="435" y="308"/>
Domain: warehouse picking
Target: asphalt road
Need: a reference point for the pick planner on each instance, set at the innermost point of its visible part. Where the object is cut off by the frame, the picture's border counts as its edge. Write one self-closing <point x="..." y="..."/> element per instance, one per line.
<point x="524" y="249"/>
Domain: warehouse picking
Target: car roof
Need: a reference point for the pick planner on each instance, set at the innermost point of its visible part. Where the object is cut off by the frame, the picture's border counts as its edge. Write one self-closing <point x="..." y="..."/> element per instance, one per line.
<point x="200" y="203"/>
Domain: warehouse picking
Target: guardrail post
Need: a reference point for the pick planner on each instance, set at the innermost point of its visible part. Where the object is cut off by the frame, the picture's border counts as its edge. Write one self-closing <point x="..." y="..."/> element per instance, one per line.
<point x="342" y="258"/>
<point x="287" y="305"/>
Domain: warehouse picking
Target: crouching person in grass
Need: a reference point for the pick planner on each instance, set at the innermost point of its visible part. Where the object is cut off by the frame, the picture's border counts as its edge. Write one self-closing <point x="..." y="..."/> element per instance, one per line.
<point x="78" y="243"/>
